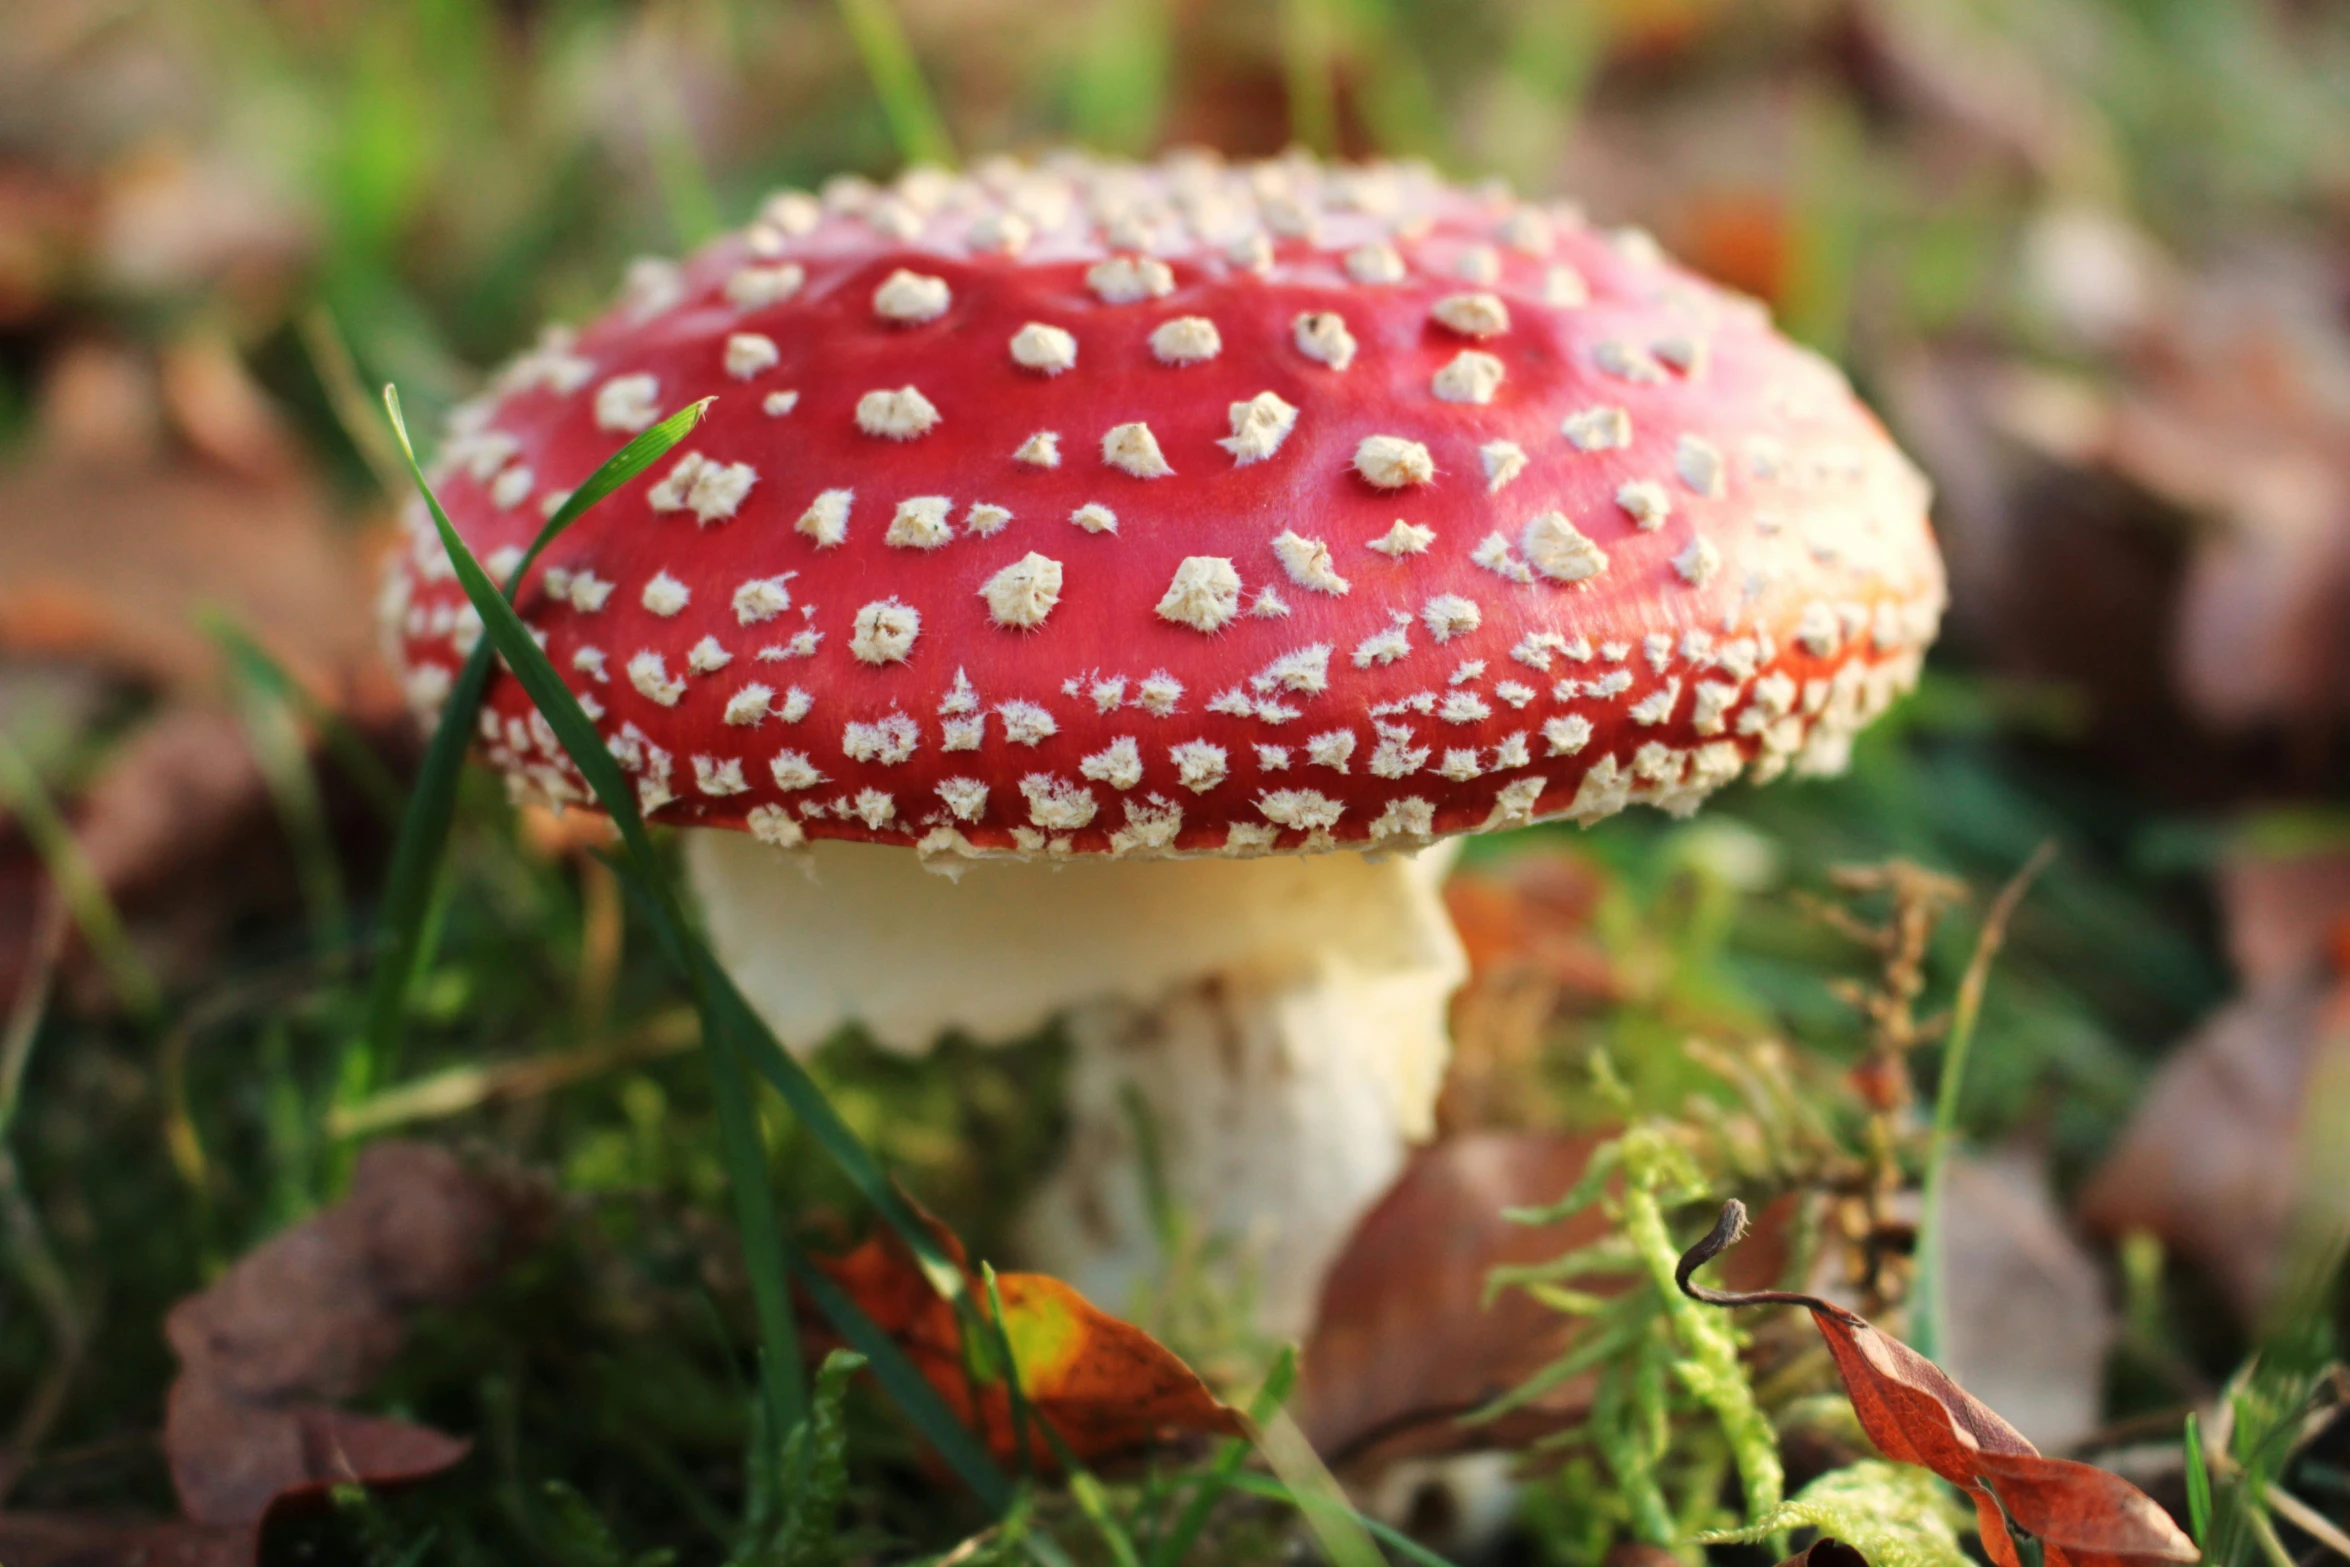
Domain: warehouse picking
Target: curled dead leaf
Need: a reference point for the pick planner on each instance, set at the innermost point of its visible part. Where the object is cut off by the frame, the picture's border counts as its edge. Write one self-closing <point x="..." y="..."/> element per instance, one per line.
<point x="2082" y="1516"/>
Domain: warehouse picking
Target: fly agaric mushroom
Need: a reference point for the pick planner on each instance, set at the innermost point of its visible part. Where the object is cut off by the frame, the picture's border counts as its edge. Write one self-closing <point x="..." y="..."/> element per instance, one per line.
<point x="1134" y="538"/>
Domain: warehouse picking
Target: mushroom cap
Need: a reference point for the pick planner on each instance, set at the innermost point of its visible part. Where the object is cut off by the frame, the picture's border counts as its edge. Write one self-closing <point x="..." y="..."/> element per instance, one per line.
<point x="1183" y="508"/>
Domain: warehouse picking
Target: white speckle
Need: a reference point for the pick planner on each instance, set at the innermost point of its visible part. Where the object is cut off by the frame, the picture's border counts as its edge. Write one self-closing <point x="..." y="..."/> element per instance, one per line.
<point x="1448" y="615"/>
<point x="884" y="632"/>
<point x="1204" y="595"/>
<point x="716" y="776"/>
<point x="1472" y="376"/>
<point x="1308" y="563"/>
<point x="1528" y="230"/>
<point x="1041" y="450"/>
<point x="1646" y="502"/>
<point x="1057" y="804"/>
<point x="1199" y="766"/>
<point x="889" y="741"/>
<point x="1321" y="335"/>
<point x="1046" y="349"/>
<point x="1108" y="695"/>
<point x="588" y="592"/>
<point x="962" y="734"/>
<point x="875" y="808"/>
<point x="1698" y="562"/>
<point x="1560" y="551"/>
<point x="1273" y="758"/>
<point x="504" y="560"/>
<point x="1478" y="264"/>
<point x="1332" y="750"/>
<point x="1514" y="806"/>
<point x="1025" y="723"/>
<point x="588" y="661"/>
<point x="965" y="797"/>
<point x="1503" y="460"/>
<point x="651" y="285"/>
<point x="1132" y="448"/>
<point x="1684" y="351"/>
<point x="762" y="599"/>
<point x="1657" y="706"/>
<point x="511" y="488"/>
<point x="1472" y="315"/>
<point x="920" y="523"/>
<point x="1699" y="463"/>
<point x="1382" y="647"/>
<point x="1567" y="735"/>
<point x="901" y="415"/>
<point x="1392" y="463"/>
<point x="665" y="595"/>
<point x="1396" y="756"/>
<point x="1657" y="648"/>
<point x="1409" y="817"/>
<point x="1118" y="764"/>
<point x="1626" y="361"/>
<point x="827" y="518"/>
<point x="773" y="825"/>
<point x="1460" y="764"/>
<point x="1302" y="809"/>
<point x="749" y="353"/>
<point x="1817" y="631"/>
<point x="1563" y="288"/>
<point x="1023" y="593"/>
<point x="707" y="657"/>
<point x="749" y="705"/>
<point x="960" y="697"/>
<point x="911" y="297"/>
<point x="795" y="705"/>
<point x="1374" y="264"/>
<point x="1712" y="702"/>
<point x="1494" y="554"/>
<point x="1598" y="429"/>
<point x="1159" y="694"/>
<point x="984" y="521"/>
<point x="1305" y="669"/>
<point x="626" y="403"/>
<point x="1403" y="538"/>
<point x="1094" y="517"/>
<point x="715" y="491"/>
<point x="1269" y="605"/>
<point x="1127" y="280"/>
<point x="776" y="404"/>
<point x="755" y="288"/>
<point x="650" y="675"/>
<point x="1464" y="707"/>
<point x="794" y="212"/>
<point x="1259" y="426"/>
<point x="1252" y="252"/>
<point x="1636" y="245"/>
<point x="1186" y="340"/>
<point x="1513" y="692"/>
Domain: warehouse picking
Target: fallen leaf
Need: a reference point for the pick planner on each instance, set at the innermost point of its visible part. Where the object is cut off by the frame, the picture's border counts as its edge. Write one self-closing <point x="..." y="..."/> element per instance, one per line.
<point x="316" y="1314"/>
<point x="76" y="1540"/>
<point x="2211" y="1160"/>
<point x="2082" y="1516"/>
<point x="1404" y="1342"/>
<point x="2285" y="915"/>
<point x="1104" y="1386"/>
<point x="2006" y="1257"/>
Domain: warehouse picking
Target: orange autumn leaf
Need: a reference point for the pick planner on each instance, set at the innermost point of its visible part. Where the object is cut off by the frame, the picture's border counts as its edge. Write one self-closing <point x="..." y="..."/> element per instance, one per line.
<point x="1103" y="1385"/>
<point x="1915" y="1414"/>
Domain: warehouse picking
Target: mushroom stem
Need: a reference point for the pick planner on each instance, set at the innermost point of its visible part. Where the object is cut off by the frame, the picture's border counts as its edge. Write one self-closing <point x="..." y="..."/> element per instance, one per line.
<point x="1279" y="1023"/>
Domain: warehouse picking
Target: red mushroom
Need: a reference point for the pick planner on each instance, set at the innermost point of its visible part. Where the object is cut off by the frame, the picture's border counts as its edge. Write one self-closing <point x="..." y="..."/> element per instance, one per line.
<point x="1171" y="526"/>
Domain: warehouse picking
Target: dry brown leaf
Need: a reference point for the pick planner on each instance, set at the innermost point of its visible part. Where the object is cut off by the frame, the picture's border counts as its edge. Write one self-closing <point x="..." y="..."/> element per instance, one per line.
<point x="1104" y="1386"/>
<point x="2210" y="1161"/>
<point x="2286" y="916"/>
<point x="316" y="1314"/>
<point x="76" y="1540"/>
<point x="1915" y="1414"/>
<point x="1403" y="1342"/>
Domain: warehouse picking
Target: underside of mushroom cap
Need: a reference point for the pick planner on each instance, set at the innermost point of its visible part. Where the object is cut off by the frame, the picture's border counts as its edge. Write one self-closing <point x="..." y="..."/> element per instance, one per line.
<point x="1179" y="509"/>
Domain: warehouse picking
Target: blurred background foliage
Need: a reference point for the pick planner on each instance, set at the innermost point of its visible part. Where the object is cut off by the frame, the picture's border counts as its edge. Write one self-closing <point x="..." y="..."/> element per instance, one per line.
<point x="2089" y="258"/>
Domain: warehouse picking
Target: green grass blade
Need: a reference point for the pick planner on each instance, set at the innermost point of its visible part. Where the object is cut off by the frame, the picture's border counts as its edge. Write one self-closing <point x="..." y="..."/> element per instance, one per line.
<point x="432" y="803"/>
<point x="78" y="886"/>
<point x="1270" y="1398"/>
<point x="1310" y="1487"/>
<point x="947" y="1436"/>
<point x="259" y="668"/>
<point x="2198" y="1480"/>
<point x="914" y="120"/>
<point x="728" y="1026"/>
<point x="1318" y="1504"/>
<point x="1931" y="1310"/>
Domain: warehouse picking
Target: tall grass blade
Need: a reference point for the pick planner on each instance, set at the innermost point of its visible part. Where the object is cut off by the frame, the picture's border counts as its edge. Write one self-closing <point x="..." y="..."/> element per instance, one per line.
<point x="1176" y="1545"/>
<point x="2198" y="1480"/>
<point x="914" y="121"/>
<point x="729" y="1026"/>
<point x="78" y="886"/>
